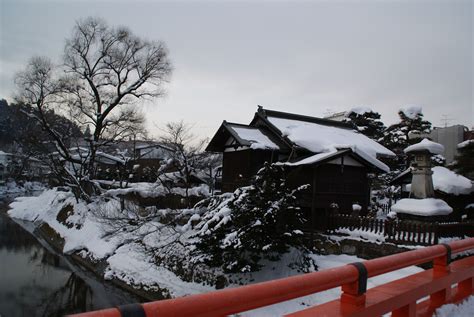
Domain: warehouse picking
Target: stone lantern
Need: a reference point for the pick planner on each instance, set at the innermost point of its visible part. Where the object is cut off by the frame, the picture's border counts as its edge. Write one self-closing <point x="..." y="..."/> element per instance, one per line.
<point x="422" y="181"/>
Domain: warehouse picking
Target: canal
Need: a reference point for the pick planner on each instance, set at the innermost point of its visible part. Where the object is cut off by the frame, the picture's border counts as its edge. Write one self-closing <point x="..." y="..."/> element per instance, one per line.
<point x="36" y="281"/>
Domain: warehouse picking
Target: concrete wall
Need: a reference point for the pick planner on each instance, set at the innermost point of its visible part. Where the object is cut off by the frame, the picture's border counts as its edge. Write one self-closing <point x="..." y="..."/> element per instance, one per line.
<point x="449" y="137"/>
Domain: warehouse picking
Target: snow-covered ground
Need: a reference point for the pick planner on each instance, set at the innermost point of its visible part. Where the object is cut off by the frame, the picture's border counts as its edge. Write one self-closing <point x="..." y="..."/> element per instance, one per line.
<point x="464" y="309"/>
<point x="128" y="258"/>
<point x="13" y="188"/>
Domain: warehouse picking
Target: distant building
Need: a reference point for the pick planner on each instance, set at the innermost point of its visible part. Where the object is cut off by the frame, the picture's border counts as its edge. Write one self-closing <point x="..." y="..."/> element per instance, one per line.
<point x="6" y="165"/>
<point x="449" y="137"/>
<point x="21" y="167"/>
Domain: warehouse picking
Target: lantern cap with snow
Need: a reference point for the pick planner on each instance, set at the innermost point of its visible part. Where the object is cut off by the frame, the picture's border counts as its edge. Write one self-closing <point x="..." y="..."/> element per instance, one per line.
<point x="422" y="181"/>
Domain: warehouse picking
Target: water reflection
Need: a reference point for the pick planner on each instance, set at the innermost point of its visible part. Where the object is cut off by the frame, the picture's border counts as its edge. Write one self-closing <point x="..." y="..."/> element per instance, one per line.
<point x="36" y="282"/>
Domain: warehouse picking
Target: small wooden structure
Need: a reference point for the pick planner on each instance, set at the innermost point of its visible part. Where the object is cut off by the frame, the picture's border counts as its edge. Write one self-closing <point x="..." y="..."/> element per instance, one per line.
<point x="328" y="155"/>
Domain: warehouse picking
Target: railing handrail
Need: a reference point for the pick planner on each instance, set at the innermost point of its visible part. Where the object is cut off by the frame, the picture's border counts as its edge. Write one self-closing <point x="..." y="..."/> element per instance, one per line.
<point x="244" y="298"/>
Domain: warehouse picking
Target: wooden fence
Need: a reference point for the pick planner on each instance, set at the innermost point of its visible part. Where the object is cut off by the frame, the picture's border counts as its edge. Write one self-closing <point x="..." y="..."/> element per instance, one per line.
<point x="397" y="231"/>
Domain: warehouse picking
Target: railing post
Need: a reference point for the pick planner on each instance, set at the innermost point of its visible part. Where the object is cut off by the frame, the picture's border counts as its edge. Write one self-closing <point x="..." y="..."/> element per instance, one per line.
<point x="441" y="267"/>
<point x="405" y="311"/>
<point x="354" y="293"/>
<point x="466" y="287"/>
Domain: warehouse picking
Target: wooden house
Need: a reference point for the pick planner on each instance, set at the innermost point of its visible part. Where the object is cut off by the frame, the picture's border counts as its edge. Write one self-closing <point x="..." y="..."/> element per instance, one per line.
<point x="331" y="156"/>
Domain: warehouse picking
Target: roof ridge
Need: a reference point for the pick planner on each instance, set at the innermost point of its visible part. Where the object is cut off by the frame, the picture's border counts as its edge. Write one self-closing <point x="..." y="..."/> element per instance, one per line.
<point x="300" y="117"/>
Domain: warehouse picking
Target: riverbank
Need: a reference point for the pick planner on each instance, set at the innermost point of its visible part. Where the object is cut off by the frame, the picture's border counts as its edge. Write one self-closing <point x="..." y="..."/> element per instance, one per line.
<point x="41" y="282"/>
<point x="71" y="228"/>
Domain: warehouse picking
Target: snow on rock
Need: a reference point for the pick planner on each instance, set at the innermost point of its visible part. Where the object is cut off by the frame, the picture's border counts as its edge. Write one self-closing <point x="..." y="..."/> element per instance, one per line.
<point x="412" y="111"/>
<point x="356" y="207"/>
<point x="465" y="143"/>
<point x="257" y="139"/>
<point x="133" y="265"/>
<point x="422" y="207"/>
<point x="319" y="138"/>
<point x="425" y="145"/>
<point x="464" y="309"/>
<point x="449" y="182"/>
<point x="45" y="208"/>
<point x="360" y="110"/>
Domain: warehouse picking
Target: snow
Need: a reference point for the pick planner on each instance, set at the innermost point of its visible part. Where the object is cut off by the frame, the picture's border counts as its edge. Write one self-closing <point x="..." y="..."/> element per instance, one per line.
<point x="356" y="207"/>
<point x="153" y="190"/>
<point x="14" y="188"/>
<point x="322" y="156"/>
<point x="412" y="111"/>
<point x="319" y="138"/>
<point x="465" y="143"/>
<point x="372" y="159"/>
<point x="425" y="145"/>
<point x="45" y="208"/>
<point x="360" y="110"/>
<point x="358" y="235"/>
<point x="257" y="139"/>
<point x="131" y="264"/>
<point x="422" y="207"/>
<point x="309" y="160"/>
<point x="464" y="309"/>
<point x="449" y="182"/>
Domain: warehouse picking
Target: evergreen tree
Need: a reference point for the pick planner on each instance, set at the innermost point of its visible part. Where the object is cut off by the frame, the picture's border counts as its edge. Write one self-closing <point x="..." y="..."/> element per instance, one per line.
<point x="400" y="135"/>
<point x="396" y="137"/>
<point x="464" y="163"/>
<point x="261" y="221"/>
<point x="367" y="122"/>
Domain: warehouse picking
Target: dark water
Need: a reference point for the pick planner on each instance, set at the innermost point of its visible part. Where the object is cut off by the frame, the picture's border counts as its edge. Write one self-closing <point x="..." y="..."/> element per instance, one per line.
<point x="35" y="281"/>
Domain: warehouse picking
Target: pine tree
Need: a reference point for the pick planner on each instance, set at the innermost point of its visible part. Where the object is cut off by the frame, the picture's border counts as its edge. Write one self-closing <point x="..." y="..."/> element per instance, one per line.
<point x="261" y="221"/>
<point x="367" y="122"/>
<point x="396" y="137"/>
<point x="464" y="163"/>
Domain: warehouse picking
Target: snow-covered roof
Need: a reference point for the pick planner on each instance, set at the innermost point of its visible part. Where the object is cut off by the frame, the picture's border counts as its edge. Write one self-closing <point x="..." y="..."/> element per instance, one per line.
<point x="320" y="157"/>
<point x="449" y="182"/>
<point x="153" y="145"/>
<point x="422" y="207"/>
<point x="254" y="136"/>
<point x="111" y="157"/>
<point x="425" y="145"/>
<point x="319" y="138"/>
<point x="465" y="143"/>
<point x="412" y="111"/>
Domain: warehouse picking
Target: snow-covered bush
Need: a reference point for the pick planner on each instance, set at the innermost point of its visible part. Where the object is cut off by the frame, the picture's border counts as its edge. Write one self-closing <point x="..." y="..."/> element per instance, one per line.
<point x="261" y="221"/>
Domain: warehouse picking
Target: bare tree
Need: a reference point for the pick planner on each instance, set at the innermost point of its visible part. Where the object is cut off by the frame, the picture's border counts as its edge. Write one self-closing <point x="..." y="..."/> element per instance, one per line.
<point x="186" y="155"/>
<point x="107" y="70"/>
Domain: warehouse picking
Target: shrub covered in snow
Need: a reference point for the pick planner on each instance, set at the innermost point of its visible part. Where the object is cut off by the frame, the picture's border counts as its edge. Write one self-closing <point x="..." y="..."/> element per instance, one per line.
<point x="258" y="222"/>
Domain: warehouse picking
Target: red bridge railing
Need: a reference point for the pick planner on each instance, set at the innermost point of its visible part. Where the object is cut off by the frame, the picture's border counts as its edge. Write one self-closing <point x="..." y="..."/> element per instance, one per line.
<point x="416" y="295"/>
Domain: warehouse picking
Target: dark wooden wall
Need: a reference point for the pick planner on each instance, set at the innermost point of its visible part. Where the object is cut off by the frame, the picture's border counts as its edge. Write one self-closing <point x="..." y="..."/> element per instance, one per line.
<point x="330" y="184"/>
<point x="240" y="166"/>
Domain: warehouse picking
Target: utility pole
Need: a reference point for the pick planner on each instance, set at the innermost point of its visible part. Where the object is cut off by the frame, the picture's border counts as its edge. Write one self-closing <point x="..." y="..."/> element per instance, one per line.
<point x="445" y="119"/>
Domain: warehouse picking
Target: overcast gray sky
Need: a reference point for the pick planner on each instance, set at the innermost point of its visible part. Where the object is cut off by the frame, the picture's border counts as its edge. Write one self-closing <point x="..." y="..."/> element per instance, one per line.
<point x="305" y="57"/>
